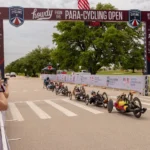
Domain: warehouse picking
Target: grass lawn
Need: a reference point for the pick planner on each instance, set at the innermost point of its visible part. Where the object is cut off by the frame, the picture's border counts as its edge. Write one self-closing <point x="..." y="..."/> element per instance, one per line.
<point x="118" y="72"/>
<point x="20" y="74"/>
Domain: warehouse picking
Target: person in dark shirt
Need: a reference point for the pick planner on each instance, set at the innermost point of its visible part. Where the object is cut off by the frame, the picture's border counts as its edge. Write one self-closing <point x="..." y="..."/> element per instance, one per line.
<point x="93" y="98"/>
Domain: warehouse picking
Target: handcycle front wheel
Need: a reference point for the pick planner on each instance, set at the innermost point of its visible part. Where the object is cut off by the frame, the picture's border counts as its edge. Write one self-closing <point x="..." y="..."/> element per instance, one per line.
<point x="105" y="100"/>
<point x="138" y="107"/>
<point x="87" y="100"/>
<point x="70" y="95"/>
<point x="110" y="105"/>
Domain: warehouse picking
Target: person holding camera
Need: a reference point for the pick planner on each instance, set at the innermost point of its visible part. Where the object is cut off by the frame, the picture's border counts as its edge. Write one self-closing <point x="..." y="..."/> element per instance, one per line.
<point x="3" y="96"/>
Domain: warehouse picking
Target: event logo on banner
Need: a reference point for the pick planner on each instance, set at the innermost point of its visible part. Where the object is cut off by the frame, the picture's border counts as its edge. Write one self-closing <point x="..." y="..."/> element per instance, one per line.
<point x="100" y="80"/>
<point x="134" y="18"/>
<point x="114" y="81"/>
<point x="16" y="16"/>
<point x="92" y="79"/>
<point x="137" y="83"/>
<point x="85" y="79"/>
<point x="126" y="83"/>
<point x="96" y="80"/>
<point x="78" y="79"/>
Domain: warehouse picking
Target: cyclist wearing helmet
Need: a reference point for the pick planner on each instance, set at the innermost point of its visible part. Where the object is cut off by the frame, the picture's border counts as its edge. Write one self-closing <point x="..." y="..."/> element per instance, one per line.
<point x="46" y="81"/>
<point x="51" y="85"/>
<point x="76" y="90"/>
<point x="93" y="98"/>
<point x="82" y="89"/>
<point x="60" y="85"/>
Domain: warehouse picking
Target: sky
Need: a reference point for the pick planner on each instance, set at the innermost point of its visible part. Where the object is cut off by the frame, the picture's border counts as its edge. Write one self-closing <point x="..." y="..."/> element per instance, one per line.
<point x="19" y="41"/>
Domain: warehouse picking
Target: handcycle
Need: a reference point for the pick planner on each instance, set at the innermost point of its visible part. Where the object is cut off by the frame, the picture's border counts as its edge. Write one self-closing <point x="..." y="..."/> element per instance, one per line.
<point x="51" y="86"/>
<point x="99" y="99"/>
<point x="132" y="104"/>
<point x="45" y="84"/>
<point x="79" y="94"/>
<point x="62" y="90"/>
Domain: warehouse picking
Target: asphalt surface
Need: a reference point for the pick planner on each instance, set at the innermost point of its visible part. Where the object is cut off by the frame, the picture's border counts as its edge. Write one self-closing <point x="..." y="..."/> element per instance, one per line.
<point x="37" y="119"/>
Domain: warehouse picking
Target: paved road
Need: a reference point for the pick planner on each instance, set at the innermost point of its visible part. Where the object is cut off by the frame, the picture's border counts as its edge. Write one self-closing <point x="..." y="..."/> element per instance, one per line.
<point x="37" y="119"/>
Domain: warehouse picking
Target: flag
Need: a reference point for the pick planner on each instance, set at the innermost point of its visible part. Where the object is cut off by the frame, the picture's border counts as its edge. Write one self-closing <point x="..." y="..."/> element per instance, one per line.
<point x="83" y="4"/>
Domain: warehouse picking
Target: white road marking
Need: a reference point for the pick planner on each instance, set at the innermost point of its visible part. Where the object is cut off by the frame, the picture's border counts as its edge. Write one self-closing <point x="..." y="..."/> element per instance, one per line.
<point x="83" y="107"/>
<point x="20" y="102"/>
<point x="39" y="112"/>
<point x="11" y="120"/>
<point x="14" y="139"/>
<point x="15" y="112"/>
<point x="60" y="108"/>
<point x="146" y="103"/>
<point x="144" y="99"/>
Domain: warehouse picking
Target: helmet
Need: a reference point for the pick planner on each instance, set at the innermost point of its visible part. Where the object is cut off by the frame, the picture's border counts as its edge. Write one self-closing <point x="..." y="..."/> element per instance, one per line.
<point x="92" y="92"/>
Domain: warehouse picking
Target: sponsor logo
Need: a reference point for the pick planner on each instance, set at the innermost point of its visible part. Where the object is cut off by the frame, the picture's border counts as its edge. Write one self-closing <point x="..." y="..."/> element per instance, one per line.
<point x="134" y="18"/>
<point x="16" y="16"/>
<point x="45" y="15"/>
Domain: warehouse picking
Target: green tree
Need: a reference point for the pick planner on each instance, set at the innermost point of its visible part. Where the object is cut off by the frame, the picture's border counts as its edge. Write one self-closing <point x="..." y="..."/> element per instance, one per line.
<point x="94" y="47"/>
<point x="135" y="58"/>
<point x="34" y="61"/>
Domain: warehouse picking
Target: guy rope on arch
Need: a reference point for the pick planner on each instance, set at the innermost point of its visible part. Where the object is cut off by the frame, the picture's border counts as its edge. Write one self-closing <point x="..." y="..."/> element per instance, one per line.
<point x="18" y="15"/>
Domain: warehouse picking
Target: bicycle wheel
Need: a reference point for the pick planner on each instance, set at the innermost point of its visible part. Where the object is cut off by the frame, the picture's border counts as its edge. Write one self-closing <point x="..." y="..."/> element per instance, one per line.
<point x="87" y="100"/>
<point x="137" y="106"/>
<point x="105" y="100"/>
<point x="110" y="106"/>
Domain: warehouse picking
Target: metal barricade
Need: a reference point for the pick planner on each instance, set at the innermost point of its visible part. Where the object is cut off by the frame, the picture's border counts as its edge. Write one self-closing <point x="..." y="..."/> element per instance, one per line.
<point x="3" y="138"/>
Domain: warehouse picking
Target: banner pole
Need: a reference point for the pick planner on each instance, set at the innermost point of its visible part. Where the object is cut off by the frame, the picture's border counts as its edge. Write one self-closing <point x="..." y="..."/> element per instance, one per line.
<point x="1" y="49"/>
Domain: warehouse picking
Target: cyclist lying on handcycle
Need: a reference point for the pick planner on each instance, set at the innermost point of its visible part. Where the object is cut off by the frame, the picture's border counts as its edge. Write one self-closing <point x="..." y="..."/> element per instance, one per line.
<point x="46" y="82"/>
<point x="51" y="85"/>
<point x="93" y="97"/>
<point x="122" y="104"/>
<point x="79" y="93"/>
<point x="78" y="90"/>
<point x="59" y="86"/>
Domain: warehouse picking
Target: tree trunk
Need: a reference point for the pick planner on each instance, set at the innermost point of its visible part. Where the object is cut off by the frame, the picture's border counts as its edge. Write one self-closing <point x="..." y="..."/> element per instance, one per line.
<point x="133" y="70"/>
<point x="34" y="73"/>
<point x="93" y="70"/>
